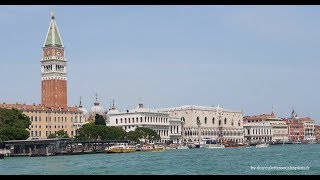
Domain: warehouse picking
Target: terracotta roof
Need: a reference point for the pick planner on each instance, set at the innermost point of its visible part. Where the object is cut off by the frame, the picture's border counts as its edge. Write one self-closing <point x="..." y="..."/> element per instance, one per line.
<point x="260" y="116"/>
<point x="38" y="107"/>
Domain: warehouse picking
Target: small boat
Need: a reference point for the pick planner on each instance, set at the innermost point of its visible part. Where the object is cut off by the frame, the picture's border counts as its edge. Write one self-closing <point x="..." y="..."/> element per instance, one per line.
<point x="121" y="148"/>
<point x="147" y="148"/>
<point x="212" y="144"/>
<point x="312" y="142"/>
<point x="262" y="145"/>
<point x="182" y="147"/>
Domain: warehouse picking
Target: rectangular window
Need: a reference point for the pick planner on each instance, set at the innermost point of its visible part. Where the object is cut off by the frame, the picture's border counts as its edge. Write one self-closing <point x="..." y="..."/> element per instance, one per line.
<point x="35" y="118"/>
<point x="46" y="119"/>
<point x="31" y="133"/>
<point x="55" y="119"/>
<point x="71" y="133"/>
<point x="46" y="133"/>
<point x="58" y="119"/>
<point x="39" y="119"/>
<point x="40" y="133"/>
<point x="39" y="126"/>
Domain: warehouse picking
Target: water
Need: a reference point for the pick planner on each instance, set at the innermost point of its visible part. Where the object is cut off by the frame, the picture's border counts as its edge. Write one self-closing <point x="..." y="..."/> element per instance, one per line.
<point x="235" y="161"/>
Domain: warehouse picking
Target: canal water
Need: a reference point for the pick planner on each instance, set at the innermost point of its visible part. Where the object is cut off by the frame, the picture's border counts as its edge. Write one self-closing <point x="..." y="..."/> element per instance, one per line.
<point x="276" y="159"/>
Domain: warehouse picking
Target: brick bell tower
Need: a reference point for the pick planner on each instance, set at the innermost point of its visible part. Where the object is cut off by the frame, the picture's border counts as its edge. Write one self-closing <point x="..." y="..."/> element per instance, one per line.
<point x="53" y="69"/>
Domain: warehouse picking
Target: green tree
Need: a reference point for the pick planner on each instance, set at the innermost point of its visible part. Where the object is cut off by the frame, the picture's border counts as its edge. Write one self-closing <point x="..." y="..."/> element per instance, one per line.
<point x="99" y="120"/>
<point x="100" y="132"/>
<point x="13" y="125"/>
<point x="133" y="136"/>
<point x="59" y="134"/>
<point x="143" y="133"/>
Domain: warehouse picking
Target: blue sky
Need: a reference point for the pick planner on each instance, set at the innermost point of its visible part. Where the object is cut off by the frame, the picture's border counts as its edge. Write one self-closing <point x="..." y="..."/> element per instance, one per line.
<point x="241" y="57"/>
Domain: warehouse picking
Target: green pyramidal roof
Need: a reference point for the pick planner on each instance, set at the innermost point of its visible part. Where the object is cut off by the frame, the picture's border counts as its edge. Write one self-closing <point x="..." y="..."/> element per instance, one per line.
<point x="53" y="36"/>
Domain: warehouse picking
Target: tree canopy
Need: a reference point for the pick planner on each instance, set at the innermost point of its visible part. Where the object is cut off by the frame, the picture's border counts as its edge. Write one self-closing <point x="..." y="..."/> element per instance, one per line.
<point x="59" y="134"/>
<point x="13" y="125"/>
<point x="144" y="133"/>
<point x="102" y="132"/>
<point x="99" y="120"/>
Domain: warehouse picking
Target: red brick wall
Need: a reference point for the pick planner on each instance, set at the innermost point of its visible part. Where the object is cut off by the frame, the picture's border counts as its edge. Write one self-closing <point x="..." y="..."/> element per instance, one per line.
<point x="54" y="92"/>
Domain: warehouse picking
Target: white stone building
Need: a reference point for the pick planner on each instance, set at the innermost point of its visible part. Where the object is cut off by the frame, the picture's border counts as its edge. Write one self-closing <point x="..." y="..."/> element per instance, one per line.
<point x="255" y="132"/>
<point x="201" y="122"/>
<point x="168" y="128"/>
<point x="280" y="131"/>
<point x="279" y="128"/>
<point x="309" y="129"/>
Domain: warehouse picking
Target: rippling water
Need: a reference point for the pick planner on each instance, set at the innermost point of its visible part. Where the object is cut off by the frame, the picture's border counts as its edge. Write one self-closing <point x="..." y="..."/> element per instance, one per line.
<point x="236" y="161"/>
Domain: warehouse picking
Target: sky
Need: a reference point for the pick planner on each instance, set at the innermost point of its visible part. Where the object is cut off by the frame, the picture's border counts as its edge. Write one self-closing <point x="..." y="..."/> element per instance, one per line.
<point x="248" y="58"/>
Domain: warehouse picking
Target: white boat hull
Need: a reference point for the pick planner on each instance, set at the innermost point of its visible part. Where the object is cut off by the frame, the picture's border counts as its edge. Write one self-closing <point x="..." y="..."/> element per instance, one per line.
<point x="262" y="145"/>
<point x="214" y="146"/>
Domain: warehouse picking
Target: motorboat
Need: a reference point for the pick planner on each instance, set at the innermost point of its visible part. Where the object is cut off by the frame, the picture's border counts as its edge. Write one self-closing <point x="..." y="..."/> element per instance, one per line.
<point x="212" y="144"/>
<point x="182" y="147"/>
<point x="147" y="148"/>
<point x="262" y="145"/>
<point x="121" y="148"/>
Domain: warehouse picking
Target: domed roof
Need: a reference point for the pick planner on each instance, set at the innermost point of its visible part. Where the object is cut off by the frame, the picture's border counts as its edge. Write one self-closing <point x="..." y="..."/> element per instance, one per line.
<point x="84" y="111"/>
<point x="113" y="109"/>
<point x="96" y="109"/>
<point x="140" y="108"/>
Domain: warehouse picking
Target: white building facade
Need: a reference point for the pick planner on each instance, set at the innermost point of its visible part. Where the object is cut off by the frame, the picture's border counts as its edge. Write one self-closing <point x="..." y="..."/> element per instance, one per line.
<point x="309" y="129"/>
<point x="160" y="122"/>
<point x="255" y="132"/>
<point x="201" y="122"/>
<point x="279" y="128"/>
<point x="280" y="132"/>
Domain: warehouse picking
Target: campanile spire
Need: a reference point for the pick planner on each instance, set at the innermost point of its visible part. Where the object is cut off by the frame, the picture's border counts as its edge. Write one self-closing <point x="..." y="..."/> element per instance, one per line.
<point x="53" y="68"/>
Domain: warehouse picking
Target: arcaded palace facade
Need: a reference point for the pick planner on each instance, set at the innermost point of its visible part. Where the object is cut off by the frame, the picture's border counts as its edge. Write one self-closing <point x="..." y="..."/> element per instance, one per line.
<point x="201" y="122"/>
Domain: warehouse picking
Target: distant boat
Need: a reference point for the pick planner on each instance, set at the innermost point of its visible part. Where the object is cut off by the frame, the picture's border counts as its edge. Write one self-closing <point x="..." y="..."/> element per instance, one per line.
<point x="121" y="148"/>
<point x="147" y="148"/>
<point x="312" y="142"/>
<point x="262" y="145"/>
<point x="212" y="144"/>
<point x="182" y="147"/>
